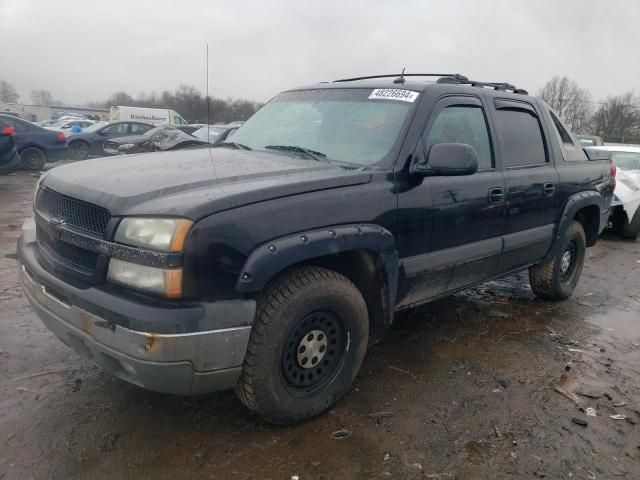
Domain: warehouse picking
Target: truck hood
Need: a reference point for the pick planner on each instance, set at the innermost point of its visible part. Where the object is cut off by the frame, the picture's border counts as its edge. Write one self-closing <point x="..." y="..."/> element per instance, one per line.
<point x="194" y="183"/>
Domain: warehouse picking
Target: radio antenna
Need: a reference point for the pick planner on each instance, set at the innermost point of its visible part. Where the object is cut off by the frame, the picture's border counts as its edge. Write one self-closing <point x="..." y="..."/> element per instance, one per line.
<point x="207" y="90"/>
<point x="209" y="114"/>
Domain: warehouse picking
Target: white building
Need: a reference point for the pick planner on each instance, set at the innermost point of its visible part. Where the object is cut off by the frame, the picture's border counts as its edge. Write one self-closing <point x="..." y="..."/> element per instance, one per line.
<point x="37" y="113"/>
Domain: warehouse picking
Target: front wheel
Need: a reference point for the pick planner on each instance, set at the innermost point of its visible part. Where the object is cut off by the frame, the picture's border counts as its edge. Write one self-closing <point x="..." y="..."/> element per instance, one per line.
<point x="556" y="279"/>
<point x="33" y="158"/>
<point x="307" y="344"/>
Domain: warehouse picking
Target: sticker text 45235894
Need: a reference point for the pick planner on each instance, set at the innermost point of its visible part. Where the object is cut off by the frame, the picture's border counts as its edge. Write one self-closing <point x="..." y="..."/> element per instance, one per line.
<point x="394" y="94"/>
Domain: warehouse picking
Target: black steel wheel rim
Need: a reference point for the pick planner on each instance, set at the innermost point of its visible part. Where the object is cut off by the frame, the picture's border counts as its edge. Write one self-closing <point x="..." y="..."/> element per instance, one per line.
<point x="568" y="261"/>
<point x="80" y="149"/>
<point x="32" y="157"/>
<point x="313" y="352"/>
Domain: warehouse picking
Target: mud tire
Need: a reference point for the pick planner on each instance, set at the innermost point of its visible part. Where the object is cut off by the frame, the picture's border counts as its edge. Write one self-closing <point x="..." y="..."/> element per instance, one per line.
<point x="282" y="309"/>
<point x="548" y="280"/>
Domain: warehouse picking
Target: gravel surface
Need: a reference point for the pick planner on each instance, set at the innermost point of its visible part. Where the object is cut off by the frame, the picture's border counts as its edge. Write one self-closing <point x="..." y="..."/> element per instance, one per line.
<point x="488" y="383"/>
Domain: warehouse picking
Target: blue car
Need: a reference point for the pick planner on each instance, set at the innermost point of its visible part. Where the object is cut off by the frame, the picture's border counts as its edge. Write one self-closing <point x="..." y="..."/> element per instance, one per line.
<point x="36" y="145"/>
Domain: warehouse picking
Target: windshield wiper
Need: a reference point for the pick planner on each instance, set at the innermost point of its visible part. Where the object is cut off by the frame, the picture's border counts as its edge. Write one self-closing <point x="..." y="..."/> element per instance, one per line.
<point x="239" y="146"/>
<point x="317" y="156"/>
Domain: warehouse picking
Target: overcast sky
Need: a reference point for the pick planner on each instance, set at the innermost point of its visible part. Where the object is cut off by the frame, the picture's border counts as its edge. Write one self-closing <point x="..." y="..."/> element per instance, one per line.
<point x="85" y="50"/>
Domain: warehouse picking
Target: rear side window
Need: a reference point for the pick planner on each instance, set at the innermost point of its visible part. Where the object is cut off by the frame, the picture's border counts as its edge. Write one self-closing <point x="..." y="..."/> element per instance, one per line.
<point x="562" y="132"/>
<point x="13" y="124"/>
<point x="570" y="151"/>
<point x="120" y="128"/>
<point x="139" y="128"/>
<point x="462" y="124"/>
<point x="521" y="137"/>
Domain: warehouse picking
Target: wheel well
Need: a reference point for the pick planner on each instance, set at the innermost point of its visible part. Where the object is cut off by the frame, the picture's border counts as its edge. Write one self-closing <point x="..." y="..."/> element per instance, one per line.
<point x="362" y="268"/>
<point x="589" y="218"/>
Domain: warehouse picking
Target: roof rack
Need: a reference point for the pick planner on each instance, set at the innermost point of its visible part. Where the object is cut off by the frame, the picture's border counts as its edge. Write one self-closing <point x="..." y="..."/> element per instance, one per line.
<point x="400" y="76"/>
<point x="502" y="86"/>
<point x="451" y="78"/>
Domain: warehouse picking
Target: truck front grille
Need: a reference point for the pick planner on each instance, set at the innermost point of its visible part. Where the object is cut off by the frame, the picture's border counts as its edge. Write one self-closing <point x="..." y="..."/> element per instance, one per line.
<point x="75" y="213"/>
<point x="76" y="256"/>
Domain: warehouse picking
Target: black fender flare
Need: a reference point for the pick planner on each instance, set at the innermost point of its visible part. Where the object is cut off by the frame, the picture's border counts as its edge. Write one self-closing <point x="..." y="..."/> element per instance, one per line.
<point x="574" y="204"/>
<point x="274" y="256"/>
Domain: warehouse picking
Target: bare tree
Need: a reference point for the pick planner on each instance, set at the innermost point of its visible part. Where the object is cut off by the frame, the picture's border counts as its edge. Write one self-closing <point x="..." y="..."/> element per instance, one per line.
<point x="41" y="97"/>
<point x="616" y="118"/>
<point x="570" y="101"/>
<point x="120" y="98"/>
<point x="8" y="92"/>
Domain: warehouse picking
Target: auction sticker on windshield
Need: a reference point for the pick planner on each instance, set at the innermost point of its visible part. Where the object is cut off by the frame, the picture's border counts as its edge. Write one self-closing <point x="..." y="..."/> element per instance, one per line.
<point x="394" y="94"/>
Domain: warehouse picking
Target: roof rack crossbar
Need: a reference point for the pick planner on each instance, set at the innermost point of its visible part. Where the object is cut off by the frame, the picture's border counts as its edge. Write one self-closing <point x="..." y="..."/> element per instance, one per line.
<point x="454" y="78"/>
<point x="501" y="86"/>
<point x="369" y="77"/>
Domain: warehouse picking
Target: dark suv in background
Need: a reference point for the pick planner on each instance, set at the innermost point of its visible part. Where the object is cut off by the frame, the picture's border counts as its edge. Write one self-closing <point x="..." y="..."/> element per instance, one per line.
<point x="36" y="145"/>
<point x="91" y="140"/>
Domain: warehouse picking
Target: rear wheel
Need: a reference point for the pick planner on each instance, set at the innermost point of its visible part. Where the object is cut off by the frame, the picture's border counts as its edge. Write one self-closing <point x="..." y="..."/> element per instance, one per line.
<point x="306" y="347"/>
<point x="33" y="158"/>
<point x="630" y="230"/>
<point x="78" y="150"/>
<point x="556" y="279"/>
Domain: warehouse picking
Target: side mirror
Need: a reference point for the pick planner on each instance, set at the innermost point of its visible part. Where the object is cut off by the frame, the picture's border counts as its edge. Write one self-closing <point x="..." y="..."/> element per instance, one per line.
<point x="449" y="160"/>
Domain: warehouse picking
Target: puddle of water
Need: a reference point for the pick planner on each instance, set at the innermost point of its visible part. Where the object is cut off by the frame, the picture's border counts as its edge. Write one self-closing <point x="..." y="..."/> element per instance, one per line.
<point x="618" y="323"/>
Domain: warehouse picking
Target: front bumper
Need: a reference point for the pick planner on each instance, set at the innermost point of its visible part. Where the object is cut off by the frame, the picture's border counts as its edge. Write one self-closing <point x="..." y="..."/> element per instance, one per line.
<point x="180" y="363"/>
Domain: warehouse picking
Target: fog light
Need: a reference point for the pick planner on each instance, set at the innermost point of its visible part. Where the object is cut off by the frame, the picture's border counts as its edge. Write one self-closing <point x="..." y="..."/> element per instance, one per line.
<point x="167" y="282"/>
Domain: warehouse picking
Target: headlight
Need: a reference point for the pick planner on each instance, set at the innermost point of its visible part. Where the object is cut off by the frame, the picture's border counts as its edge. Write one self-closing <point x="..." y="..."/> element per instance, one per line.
<point x="167" y="282"/>
<point x="165" y="234"/>
<point x="126" y="146"/>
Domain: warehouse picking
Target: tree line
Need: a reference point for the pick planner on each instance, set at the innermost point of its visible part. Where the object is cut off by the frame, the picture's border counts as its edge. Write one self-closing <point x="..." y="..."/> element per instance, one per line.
<point x="187" y="100"/>
<point x="616" y="120"/>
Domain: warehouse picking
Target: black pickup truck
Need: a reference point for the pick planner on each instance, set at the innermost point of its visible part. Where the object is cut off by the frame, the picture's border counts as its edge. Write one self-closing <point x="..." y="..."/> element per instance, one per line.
<point x="264" y="264"/>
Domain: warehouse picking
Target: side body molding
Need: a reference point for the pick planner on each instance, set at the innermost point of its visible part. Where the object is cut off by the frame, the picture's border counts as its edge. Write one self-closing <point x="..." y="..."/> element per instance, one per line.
<point x="573" y="205"/>
<point x="274" y="256"/>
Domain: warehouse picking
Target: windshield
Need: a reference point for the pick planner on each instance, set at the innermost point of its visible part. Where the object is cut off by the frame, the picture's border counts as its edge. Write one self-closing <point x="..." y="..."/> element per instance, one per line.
<point x="214" y="133"/>
<point x="626" y="160"/>
<point x="347" y="125"/>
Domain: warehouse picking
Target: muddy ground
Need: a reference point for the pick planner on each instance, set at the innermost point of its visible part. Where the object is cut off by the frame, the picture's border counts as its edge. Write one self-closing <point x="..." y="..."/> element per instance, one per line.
<point x="484" y="384"/>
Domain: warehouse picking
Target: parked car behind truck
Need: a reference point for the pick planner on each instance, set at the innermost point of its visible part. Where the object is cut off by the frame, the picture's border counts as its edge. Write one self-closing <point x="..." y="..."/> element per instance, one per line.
<point x="36" y="145"/>
<point x="625" y="211"/>
<point x="91" y="140"/>
<point x="265" y="264"/>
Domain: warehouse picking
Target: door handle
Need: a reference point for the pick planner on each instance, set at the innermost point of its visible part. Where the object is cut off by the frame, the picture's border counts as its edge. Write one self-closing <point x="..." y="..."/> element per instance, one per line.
<point x="549" y="188"/>
<point x="496" y="195"/>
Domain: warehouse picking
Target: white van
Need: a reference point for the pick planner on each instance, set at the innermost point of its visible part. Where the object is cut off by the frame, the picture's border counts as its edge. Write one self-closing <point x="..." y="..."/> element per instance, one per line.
<point x="156" y="116"/>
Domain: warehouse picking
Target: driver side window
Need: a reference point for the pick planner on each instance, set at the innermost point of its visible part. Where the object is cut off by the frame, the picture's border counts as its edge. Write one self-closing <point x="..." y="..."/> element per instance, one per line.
<point x="462" y="124"/>
<point x="120" y="128"/>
